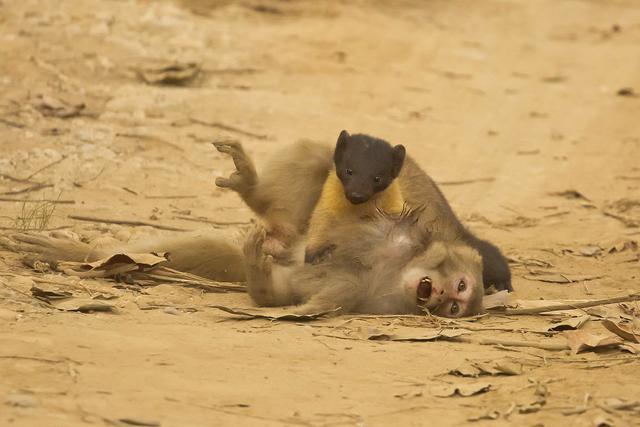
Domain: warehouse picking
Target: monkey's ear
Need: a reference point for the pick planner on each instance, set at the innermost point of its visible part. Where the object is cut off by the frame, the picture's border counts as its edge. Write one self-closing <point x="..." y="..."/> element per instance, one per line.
<point x="341" y="145"/>
<point x="399" y="153"/>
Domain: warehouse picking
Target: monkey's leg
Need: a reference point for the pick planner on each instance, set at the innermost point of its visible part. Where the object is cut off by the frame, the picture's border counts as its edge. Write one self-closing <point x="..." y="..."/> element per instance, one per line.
<point x="267" y="283"/>
<point x="244" y="179"/>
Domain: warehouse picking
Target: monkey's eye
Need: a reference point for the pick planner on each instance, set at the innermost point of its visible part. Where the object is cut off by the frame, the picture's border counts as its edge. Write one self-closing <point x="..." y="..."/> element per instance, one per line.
<point x="454" y="308"/>
<point x="462" y="286"/>
<point x="377" y="179"/>
<point x="349" y="172"/>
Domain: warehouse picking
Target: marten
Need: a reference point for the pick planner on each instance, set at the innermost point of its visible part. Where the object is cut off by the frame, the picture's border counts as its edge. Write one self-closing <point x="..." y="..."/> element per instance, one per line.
<point x="362" y="182"/>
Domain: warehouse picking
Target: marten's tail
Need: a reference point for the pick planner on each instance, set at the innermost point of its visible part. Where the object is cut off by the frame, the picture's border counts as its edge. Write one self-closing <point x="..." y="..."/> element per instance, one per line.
<point x="204" y="255"/>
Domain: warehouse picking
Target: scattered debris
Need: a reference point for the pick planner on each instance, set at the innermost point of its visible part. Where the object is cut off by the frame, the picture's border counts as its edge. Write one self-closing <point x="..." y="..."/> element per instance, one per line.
<point x="21" y="400"/>
<point x="491" y="367"/>
<point x="464" y="390"/>
<point x="254" y="313"/>
<point x="115" y="265"/>
<point x="170" y="74"/>
<point x="54" y="107"/>
<point x="628" y="92"/>
<point x="570" y="194"/>
<point x="624" y="329"/>
<point x="582" y="340"/>
<point x="125" y="222"/>
<point x="571" y="324"/>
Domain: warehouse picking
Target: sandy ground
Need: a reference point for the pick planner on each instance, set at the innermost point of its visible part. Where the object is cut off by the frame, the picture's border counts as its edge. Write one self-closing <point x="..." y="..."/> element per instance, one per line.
<point x="515" y="107"/>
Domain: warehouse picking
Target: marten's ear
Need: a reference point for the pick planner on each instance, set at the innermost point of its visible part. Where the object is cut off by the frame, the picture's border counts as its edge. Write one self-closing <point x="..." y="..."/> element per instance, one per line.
<point x="341" y="145"/>
<point x="398" y="159"/>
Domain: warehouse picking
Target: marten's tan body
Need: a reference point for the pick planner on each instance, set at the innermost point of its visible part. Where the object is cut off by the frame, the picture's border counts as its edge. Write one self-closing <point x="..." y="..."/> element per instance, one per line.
<point x="334" y="208"/>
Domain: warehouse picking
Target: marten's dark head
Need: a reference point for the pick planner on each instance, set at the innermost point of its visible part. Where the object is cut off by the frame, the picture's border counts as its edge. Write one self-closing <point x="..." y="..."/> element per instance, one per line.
<point x="366" y="165"/>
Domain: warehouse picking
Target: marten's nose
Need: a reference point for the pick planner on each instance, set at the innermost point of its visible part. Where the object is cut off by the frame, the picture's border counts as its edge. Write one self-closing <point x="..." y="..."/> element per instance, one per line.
<point x="357" y="198"/>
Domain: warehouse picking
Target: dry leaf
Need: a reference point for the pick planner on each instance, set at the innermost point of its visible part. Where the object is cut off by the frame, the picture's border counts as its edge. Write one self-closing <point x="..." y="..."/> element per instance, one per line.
<point x="622" y="245"/>
<point x="464" y="390"/>
<point x="581" y="340"/>
<point x="491" y="415"/>
<point x="139" y="422"/>
<point x="174" y="74"/>
<point x="621" y="405"/>
<point x="21" y="400"/>
<point x="629" y="309"/>
<point x="491" y="367"/>
<point x="569" y="194"/>
<point x="115" y="264"/>
<point x="49" y="293"/>
<point x="499" y="299"/>
<point x="83" y="305"/>
<point x="601" y="421"/>
<point x="272" y="314"/>
<point x="630" y="348"/>
<point x="53" y="107"/>
<point x="623" y="329"/>
<point x="420" y="335"/>
<point x="573" y="323"/>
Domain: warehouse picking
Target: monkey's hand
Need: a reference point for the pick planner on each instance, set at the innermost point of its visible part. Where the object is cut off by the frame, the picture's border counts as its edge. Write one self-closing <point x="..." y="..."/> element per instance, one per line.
<point x="244" y="179"/>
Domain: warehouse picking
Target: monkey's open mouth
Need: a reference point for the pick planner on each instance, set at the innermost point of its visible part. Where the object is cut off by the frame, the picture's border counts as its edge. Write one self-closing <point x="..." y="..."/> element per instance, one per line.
<point x="424" y="289"/>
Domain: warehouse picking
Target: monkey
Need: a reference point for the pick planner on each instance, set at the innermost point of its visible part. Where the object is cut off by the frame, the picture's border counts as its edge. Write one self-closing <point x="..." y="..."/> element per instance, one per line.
<point x="292" y="196"/>
<point x="362" y="181"/>
<point x="389" y="265"/>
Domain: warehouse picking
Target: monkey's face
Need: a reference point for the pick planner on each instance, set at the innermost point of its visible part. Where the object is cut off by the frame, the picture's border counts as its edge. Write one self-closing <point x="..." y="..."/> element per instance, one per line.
<point x="446" y="280"/>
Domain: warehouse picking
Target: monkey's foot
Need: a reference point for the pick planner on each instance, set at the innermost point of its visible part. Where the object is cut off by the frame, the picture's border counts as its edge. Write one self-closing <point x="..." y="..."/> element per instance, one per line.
<point x="257" y="260"/>
<point x="245" y="176"/>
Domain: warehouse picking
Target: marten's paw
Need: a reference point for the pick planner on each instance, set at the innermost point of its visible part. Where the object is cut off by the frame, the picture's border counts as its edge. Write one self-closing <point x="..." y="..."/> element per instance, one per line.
<point x="245" y="177"/>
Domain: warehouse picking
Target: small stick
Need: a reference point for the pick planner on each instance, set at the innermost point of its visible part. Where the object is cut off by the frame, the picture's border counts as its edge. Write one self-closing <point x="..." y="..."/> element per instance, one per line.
<point x="467" y="181"/>
<point x="52" y="201"/>
<point x="125" y="222"/>
<point x="513" y="343"/>
<point x="34" y="187"/>
<point x="13" y="178"/>
<point x="12" y="123"/>
<point x="46" y="167"/>
<point x="581" y="304"/>
<point x="210" y="221"/>
<point x="228" y="128"/>
<point x="170" y="197"/>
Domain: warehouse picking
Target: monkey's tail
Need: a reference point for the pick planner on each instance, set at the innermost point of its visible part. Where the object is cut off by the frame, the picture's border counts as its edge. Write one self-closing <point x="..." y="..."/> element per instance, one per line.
<point x="205" y="255"/>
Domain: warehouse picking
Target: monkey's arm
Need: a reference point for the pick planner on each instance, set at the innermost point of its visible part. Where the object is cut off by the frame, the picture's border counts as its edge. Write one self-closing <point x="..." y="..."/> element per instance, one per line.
<point x="328" y="290"/>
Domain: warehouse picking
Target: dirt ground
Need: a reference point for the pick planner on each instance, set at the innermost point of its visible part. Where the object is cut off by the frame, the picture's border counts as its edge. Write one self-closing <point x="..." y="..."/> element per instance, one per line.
<point x="526" y="113"/>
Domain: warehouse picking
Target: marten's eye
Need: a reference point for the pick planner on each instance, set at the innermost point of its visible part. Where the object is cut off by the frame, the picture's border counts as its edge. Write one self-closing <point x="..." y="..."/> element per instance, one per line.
<point x="454" y="308"/>
<point x="377" y="179"/>
<point x="349" y="172"/>
<point x="462" y="286"/>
